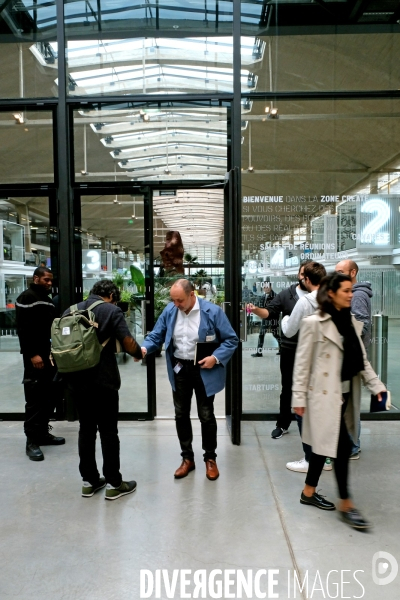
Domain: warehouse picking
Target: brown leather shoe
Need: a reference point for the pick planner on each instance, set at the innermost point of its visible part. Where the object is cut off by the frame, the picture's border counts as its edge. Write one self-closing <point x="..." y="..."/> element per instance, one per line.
<point x="211" y="470"/>
<point x="185" y="468"/>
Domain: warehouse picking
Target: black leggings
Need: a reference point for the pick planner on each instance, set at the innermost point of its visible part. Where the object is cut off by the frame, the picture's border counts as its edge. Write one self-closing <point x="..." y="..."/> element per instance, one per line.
<point x="340" y="463"/>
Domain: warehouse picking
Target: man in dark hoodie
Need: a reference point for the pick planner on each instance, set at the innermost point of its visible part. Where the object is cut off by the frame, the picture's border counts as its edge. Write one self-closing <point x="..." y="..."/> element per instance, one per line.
<point x="361" y="309"/>
<point x="95" y="392"/>
<point x="284" y="303"/>
<point x="361" y="302"/>
<point x="35" y="312"/>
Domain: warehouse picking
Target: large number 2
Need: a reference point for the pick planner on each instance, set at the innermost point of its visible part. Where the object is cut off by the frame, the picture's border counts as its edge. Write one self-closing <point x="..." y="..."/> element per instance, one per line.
<point x="370" y="233"/>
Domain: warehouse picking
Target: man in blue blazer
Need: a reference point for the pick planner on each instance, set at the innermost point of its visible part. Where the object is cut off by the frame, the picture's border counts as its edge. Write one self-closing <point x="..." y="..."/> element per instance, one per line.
<point x="185" y="321"/>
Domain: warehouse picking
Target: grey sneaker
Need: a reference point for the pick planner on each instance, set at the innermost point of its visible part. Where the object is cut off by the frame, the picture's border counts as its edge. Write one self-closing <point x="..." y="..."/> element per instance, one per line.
<point x="89" y="490"/>
<point x="126" y="487"/>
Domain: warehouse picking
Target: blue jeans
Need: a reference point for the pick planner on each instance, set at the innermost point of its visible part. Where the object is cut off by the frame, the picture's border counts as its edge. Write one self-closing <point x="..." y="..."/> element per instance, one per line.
<point x="307" y="449"/>
<point x="355" y="445"/>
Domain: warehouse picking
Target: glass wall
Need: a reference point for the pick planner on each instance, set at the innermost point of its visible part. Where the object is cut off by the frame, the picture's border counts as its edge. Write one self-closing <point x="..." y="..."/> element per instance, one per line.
<point x="26" y="139"/>
<point x="151" y="142"/>
<point x="156" y="47"/>
<point x="25" y="241"/>
<point x="320" y="180"/>
<point x="339" y="62"/>
<point x="330" y="166"/>
<point x="112" y="245"/>
<point x="28" y="52"/>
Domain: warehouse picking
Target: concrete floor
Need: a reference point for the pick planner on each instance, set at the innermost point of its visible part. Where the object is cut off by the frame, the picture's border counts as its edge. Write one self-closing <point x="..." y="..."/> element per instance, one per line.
<point x="57" y="545"/>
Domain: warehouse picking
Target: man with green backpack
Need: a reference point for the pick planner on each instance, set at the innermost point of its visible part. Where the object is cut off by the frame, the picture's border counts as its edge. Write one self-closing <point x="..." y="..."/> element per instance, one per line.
<point x="83" y="347"/>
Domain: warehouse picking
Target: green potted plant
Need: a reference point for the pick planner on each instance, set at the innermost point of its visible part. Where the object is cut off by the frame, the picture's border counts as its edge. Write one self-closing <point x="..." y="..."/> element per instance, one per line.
<point x="137" y="279"/>
<point x="118" y="279"/>
<point x="125" y="301"/>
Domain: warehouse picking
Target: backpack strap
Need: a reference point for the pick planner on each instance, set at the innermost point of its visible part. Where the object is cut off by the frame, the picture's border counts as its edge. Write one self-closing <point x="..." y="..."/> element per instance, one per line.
<point x="74" y="307"/>
<point x="90" y="308"/>
<point x="94" y="304"/>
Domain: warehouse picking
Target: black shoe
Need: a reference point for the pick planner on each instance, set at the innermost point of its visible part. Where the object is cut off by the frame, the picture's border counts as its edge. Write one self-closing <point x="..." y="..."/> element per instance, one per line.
<point x="278" y="433"/>
<point x="318" y="501"/>
<point x="33" y="451"/>
<point x="257" y="354"/>
<point x="51" y="440"/>
<point x="354" y="518"/>
<point x="126" y="487"/>
<point x="88" y="490"/>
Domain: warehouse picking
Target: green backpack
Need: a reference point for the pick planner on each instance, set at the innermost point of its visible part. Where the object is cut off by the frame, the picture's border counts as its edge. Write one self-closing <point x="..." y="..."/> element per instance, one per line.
<point x="74" y="342"/>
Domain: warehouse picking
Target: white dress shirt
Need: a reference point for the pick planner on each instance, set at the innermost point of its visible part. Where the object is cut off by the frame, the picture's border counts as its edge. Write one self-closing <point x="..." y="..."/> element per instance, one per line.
<point x="186" y="332"/>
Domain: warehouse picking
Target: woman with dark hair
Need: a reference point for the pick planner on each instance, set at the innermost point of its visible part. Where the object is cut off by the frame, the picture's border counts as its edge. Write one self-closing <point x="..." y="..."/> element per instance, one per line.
<point x="330" y="361"/>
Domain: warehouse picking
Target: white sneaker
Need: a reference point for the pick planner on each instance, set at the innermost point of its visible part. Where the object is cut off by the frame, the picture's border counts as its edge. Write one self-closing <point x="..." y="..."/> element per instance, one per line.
<point x="328" y="465"/>
<point x="300" y="466"/>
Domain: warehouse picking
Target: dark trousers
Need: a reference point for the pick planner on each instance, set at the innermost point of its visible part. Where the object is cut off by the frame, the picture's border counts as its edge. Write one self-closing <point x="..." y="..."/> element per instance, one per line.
<point x="261" y="337"/>
<point x="287" y="365"/>
<point x="187" y="380"/>
<point x="340" y="463"/>
<point x="40" y="398"/>
<point x="265" y="327"/>
<point x="97" y="408"/>
<point x="306" y="448"/>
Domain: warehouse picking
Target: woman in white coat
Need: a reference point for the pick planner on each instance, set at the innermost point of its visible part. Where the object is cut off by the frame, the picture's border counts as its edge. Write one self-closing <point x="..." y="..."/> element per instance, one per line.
<point x="330" y="361"/>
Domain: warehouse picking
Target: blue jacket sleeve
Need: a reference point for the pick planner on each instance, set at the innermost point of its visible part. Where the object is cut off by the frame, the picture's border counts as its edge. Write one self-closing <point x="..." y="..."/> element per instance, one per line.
<point x="156" y="338"/>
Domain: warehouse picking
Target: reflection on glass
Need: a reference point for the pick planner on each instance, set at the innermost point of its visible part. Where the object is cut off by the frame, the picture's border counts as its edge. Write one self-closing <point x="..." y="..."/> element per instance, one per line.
<point x="21" y="23"/>
<point x="188" y="242"/>
<point x="112" y="242"/>
<point x="152" y="143"/>
<point x="322" y="62"/>
<point x="26" y="138"/>
<point x="143" y="65"/>
<point x="116" y="15"/>
<point x="25" y="244"/>
<point x="310" y="194"/>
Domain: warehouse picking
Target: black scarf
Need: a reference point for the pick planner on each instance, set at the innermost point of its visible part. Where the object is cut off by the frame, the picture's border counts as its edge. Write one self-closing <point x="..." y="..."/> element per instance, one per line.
<point x="353" y="361"/>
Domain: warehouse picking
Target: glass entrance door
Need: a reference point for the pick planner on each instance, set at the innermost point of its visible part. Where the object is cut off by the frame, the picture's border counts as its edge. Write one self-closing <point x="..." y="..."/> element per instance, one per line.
<point x="188" y="242"/>
<point x="177" y="152"/>
<point x="112" y="243"/>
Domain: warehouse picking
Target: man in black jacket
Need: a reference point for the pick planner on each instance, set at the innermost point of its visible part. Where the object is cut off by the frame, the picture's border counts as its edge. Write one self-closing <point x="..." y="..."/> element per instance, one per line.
<point x="95" y="392"/>
<point x="35" y="314"/>
<point x="284" y="303"/>
<point x="266" y="325"/>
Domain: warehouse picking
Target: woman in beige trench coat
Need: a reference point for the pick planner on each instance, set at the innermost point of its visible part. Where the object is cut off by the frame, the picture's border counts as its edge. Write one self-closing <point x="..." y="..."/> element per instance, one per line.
<point x="326" y="390"/>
